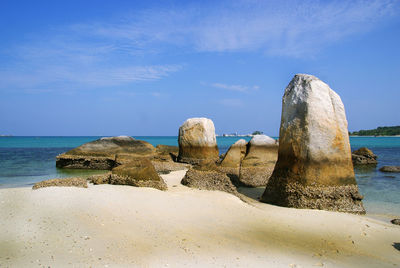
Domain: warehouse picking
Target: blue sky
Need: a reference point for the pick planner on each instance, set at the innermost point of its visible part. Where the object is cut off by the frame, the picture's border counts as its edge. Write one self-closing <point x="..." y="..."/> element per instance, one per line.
<point x="144" y="67"/>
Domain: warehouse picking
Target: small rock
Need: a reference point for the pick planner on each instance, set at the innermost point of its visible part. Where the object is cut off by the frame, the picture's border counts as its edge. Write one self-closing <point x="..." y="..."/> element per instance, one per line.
<point x="395" y="169"/>
<point x="67" y="182"/>
<point x="395" y="221"/>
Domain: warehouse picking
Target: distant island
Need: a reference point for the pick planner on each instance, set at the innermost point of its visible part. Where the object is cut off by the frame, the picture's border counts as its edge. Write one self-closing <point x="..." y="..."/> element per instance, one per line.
<point x="380" y="131"/>
<point x="5" y="135"/>
<point x="257" y="132"/>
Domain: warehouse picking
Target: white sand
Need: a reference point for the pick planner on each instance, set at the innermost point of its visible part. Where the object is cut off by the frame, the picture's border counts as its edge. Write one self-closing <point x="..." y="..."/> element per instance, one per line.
<point x="117" y="226"/>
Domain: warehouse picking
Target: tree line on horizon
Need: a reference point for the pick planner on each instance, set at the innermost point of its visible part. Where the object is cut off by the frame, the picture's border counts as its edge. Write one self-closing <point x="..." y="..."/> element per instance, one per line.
<point x="379" y="131"/>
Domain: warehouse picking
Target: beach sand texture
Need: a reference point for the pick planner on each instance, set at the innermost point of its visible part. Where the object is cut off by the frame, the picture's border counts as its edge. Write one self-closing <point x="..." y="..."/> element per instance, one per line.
<point x="120" y="226"/>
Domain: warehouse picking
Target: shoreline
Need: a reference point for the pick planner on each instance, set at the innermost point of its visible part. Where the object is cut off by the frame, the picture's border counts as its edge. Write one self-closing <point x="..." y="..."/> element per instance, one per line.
<point x="59" y="226"/>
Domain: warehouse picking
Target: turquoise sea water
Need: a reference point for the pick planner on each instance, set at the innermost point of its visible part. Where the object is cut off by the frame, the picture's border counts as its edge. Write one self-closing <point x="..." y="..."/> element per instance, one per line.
<point x="26" y="160"/>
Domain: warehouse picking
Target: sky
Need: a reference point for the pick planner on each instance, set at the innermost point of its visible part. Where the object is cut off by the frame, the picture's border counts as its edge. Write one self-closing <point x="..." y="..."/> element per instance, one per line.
<point x="104" y="68"/>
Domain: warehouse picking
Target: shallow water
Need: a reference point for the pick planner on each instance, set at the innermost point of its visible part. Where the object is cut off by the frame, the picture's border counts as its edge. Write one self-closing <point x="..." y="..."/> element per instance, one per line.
<point x="26" y="160"/>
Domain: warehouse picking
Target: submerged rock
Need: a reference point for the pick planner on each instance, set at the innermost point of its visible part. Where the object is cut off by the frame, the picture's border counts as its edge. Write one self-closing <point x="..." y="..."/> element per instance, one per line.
<point x="105" y="153"/>
<point x="364" y="156"/>
<point x="64" y="182"/>
<point x="259" y="161"/>
<point x="197" y="141"/>
<point x="314" y="168"/>
<point x="394" y="169"/>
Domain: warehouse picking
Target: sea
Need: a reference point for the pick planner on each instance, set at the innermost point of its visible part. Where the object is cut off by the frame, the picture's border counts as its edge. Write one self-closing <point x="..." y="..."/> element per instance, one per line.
<point x="26" y="160"/>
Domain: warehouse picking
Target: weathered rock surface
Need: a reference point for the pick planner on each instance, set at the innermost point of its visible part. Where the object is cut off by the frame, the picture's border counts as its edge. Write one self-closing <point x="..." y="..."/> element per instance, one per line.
<point x="394" y="169"/>
<point x="165" y="167"/>
<point x="197" y="141"/>
<point x="314" y="167"/>
<point x="232" y="159"/>
<point x="166" y="152"/>
<point x="65" y="182"/>
<point x="139" y="173"/>
<point x="259" y="161"/>
<point x="105" y="153"/>
<point x="206" y="179"/>
<point x="364" y="156"/>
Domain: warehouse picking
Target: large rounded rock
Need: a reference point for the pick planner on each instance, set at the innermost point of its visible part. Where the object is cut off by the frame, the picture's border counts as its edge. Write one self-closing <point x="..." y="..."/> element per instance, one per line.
<point x="138" y="172"/>
<point x="314" y="168"/>
<point x="364" y="156"/>
<point x="105" y="153"/>
<point x="259" y="162"/>
<point x="197" y="141"/>
<point x="232" y="160"/>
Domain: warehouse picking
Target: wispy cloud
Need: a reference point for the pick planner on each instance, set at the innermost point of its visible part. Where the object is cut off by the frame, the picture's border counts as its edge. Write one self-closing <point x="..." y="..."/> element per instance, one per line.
<point x="290" y="28"/>
<point x="239" y="88"/>
<point x="113" y="52"/>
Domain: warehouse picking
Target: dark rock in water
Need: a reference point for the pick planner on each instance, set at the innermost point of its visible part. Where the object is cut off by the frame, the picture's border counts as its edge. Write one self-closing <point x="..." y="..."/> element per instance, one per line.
<point x="205" y="179"/>
<point x="393" y="169"/>
<point x="259" y="161"/>
<point x="197" y="141"/>
<point x="105" y="153"/>
<point x="139" y="173"/>
<point x="395" y="221"/>
<point x="314" y="168"/>
<point x="364" y="156"/>
<point x="66" y="182"/>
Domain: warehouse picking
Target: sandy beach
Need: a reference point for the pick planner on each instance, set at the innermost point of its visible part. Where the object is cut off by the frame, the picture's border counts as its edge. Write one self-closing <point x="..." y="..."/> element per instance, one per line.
<point x="117" y="226"/>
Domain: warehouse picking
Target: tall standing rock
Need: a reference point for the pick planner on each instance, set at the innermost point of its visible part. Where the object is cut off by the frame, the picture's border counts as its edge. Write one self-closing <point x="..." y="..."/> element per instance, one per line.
<point x="314" y="167"/>
<point x="197" y="141"/>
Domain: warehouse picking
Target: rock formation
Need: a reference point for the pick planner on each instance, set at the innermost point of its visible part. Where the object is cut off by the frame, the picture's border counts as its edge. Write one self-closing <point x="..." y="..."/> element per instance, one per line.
<point x="232" y="159"/>
<point x="105" y="153"/>
<point x="139" y="173"/>
<point x="207" y="177"/>
<point x="197" y="141"/>
<point x="65" y="182"/>
<point x="165" y="157"/>
<point x="314" y="168"/>
<point x="364" y="156"/>
<point x="393" y="169"/>
<point x="259" y="162"/>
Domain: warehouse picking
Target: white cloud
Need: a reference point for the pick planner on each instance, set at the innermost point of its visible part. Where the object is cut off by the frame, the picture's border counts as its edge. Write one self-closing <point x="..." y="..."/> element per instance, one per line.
<point x="239" y="88"/>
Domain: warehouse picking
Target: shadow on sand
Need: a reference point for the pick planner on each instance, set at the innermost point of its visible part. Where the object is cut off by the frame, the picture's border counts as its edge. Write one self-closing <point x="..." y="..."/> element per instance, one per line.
<point x="253" y="193"/>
